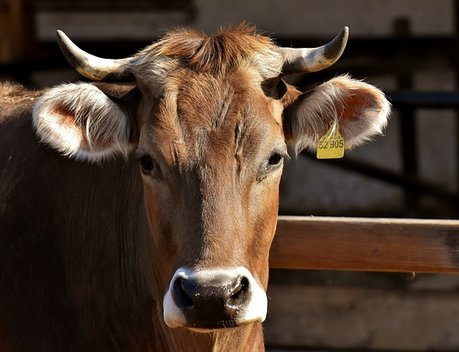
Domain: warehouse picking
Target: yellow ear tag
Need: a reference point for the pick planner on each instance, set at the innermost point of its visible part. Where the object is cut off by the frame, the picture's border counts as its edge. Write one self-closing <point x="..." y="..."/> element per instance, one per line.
<point x="331" y="144"/>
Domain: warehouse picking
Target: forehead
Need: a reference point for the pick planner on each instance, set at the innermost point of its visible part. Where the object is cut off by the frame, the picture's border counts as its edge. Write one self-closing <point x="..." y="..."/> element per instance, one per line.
<point x="200" y="114"/>
<point x="212" y="102"/>
<point x="218" y="55"/>
<point x="208" y="91"/>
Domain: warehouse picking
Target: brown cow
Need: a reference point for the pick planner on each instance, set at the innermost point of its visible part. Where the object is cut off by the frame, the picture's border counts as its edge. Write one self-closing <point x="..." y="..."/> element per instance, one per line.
<point x="94" y="256"/>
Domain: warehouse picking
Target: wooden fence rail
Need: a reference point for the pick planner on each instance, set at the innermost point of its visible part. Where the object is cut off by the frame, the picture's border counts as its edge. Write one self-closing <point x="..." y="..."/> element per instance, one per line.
<point x="364" y="244"/>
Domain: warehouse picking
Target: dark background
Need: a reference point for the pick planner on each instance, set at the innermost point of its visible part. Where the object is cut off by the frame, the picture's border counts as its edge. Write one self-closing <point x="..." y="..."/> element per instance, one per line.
<point x="408" y="48"/>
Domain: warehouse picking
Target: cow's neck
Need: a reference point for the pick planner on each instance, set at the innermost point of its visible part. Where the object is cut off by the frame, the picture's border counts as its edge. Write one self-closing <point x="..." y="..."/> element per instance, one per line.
<point x="248" y="338"/>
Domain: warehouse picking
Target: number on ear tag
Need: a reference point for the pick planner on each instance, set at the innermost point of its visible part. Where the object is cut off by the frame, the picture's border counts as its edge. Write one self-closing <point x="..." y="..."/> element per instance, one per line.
<point x="331" y="145"/>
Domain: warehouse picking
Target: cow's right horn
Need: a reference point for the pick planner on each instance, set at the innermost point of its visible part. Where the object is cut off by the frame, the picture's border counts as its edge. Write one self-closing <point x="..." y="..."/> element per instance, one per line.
<point x="299" y="60"/>
<point x="90" y="66"/>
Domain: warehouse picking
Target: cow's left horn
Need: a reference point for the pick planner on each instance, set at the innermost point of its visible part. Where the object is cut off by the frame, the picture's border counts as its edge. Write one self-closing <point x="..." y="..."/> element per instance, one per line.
<point x="314" y="59"/>
<point x="90" y="66"/>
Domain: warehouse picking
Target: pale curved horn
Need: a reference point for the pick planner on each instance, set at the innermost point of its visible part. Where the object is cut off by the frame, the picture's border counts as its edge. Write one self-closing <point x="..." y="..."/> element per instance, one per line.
<point x="314" y="59"/>
<point x="90" y="66"/>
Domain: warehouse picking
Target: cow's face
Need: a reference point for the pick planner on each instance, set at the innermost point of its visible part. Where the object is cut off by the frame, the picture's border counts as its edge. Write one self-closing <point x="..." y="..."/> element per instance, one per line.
<point x="211" y="152"/>
<point x="210" y="121"/>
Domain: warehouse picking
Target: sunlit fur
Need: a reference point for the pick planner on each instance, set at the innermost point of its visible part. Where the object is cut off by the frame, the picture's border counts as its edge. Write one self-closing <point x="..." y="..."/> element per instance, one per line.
<point x="210" y="127"/>
<point x="80" y="121"/>
<point x="217" y="54"/>
<point x="360" y="109"/>
<point x="13" y="97"/>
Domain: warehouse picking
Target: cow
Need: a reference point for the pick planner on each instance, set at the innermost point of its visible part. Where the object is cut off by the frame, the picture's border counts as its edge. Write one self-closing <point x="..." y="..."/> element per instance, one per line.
<point x="137" y="210"/>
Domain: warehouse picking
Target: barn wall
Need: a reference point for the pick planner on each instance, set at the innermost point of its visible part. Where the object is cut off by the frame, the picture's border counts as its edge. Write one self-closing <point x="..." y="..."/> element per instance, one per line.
<point x="311" y="187"/>
<point x="323" y="309"/>
<point x="289" y="18"/>
<point x="364" y="311"/>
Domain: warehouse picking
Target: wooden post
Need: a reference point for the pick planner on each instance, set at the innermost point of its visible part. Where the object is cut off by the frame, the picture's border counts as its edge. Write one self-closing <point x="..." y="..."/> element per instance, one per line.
<point x="17" y="31"/>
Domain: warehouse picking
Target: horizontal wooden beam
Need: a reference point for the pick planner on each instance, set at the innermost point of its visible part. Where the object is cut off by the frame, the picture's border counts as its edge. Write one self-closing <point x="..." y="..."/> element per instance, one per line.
<point x="365" y="244"/>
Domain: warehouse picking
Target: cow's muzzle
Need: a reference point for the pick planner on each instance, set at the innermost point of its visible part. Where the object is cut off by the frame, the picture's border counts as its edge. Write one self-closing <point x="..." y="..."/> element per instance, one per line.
<point x="213" y="299"/>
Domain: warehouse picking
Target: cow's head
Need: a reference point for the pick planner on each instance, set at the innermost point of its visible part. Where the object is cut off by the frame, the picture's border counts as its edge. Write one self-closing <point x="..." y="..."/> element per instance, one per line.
<point x="210" y="121"/>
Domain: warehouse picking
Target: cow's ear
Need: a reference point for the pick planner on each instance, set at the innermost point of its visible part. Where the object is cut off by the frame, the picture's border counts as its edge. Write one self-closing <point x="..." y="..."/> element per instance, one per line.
<point x="361" y="110"/>
<point x="86" y="121"/>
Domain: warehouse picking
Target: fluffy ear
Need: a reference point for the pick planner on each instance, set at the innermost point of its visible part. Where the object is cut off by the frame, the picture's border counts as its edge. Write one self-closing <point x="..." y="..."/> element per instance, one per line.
<point x="362" y="111"/>
<point x="86" y="121"/>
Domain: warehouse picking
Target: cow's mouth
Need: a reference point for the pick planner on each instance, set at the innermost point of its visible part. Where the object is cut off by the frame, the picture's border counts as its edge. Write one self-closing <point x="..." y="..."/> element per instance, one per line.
<point x="211" y="327"/>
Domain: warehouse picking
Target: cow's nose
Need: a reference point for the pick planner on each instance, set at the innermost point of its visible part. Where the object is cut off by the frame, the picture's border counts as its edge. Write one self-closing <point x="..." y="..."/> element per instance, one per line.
<point x="213" y="298"/>
<point x="211" y="301"/>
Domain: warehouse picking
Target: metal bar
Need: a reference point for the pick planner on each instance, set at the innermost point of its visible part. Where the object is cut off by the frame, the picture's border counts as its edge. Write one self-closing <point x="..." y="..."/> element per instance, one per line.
<point x="390" y="177"/>
<point x="456" y="58"/>
<point x="408" y="140"/>
<point x="424" y="100"/>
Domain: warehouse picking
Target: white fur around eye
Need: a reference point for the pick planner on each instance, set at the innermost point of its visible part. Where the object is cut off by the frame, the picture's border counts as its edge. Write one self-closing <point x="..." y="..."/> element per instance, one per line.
<point x="80" y="121"/>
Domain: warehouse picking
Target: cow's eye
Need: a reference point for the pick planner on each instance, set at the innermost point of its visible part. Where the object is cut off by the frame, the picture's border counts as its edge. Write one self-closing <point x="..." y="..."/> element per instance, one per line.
<point x="275" y="159"/>
<point x="273" y="163"/>
<point x="147" y="165"/>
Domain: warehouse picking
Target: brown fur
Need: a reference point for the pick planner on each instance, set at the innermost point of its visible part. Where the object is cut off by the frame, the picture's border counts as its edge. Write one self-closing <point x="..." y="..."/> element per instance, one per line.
<point x="213" y="128"/>
<point x="13" y="97"/>
<point x="87" y="250"/>
<point x="90" y="277"/>
<point x="217" y="53"/>
<point x="74" y="271"/>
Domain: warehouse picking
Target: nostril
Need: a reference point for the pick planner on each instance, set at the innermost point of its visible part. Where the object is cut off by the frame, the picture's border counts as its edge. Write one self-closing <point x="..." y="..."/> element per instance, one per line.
<point x="180" y="295"/>
<point x="240" y="292"/>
